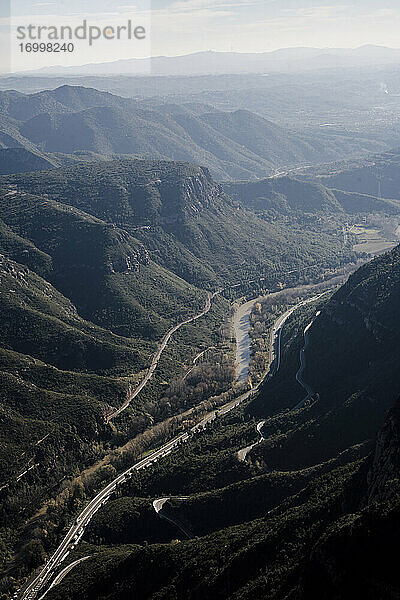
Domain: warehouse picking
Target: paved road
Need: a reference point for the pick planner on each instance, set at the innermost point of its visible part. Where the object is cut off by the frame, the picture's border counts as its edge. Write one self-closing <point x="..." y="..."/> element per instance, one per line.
<point x="196" y="358"/>
<point x="158" y="506"/>
<point x="242" y="454"/>
<point x="299" y="374"/>
<point x="81" y="522"/>
<point x="279" y="174"/>
<point x="65" y="572"/>
<point x="241" y="324"/>
<point x="163" y="344"/>
<point x="77" y="529"/>
<point x="275" y="361"/>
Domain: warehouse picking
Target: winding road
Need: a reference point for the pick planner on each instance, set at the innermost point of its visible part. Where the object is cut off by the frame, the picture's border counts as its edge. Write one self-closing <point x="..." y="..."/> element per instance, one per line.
<point x="242" y="454"/>
<point x="77" y="529"/>
<point x="299" y="374"/>
<point x="132" y="393"/>
<point x="65" y="572"/>
<point x="275" y="362"/>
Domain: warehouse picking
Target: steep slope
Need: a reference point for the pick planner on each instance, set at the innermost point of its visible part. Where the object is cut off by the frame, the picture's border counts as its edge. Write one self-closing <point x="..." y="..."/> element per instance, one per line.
<point x="83" y="307"/>
<point x="104" y="271"/>
<point x="290" y="196"/>
<point x="352" y="361"/>
<point x="143" y="132"/>
<point x="378" y="175"/>
<point x="186" y="222"/>
<point x="19" y="160"/>
<point x="356" y="555"/>
<point x="37" y="320"/>
<point x="315" y="531"/>
<point x="58" y="376"/>
<point x="23" y="251"/>
<point x="313" y="504"/>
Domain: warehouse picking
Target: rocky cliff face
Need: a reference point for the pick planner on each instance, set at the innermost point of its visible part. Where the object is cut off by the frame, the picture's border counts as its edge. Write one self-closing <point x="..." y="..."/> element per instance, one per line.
<point x="183" y="199"/>
<point x="123" y="253"/>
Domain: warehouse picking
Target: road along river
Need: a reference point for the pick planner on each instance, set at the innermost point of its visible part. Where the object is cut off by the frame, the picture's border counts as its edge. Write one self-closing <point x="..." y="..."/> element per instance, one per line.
<point x="241" y="325"/>
<point x="132" y="393"/>
<point x="275" y="362"/>
<point x="77" y="529"/>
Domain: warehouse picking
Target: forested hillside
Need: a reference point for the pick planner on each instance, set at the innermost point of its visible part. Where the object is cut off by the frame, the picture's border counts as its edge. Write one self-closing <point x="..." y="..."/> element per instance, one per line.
<point x="185" y="220"/>
<point x="101" y="255"/>
<point x="233" y="144"/>
<point x="351" y="366"/>
<point x="312" y="503"/>
<point x="287" y="196"/>
<point x="377" y="175"/>
<point x="98" y="262"/>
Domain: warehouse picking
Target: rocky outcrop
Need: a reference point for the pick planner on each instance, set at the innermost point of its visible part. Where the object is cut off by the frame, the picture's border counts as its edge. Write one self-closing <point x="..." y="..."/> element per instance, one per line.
<point x="186" y="197"/>
<point x="125" y="255"/>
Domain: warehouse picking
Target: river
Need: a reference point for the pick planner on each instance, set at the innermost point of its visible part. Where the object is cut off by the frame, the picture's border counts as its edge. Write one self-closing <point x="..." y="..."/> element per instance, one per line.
<point x="241" y="325"/>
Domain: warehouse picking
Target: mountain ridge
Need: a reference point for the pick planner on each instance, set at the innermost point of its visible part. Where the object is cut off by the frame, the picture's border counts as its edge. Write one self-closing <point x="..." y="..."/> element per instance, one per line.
<point x="235" y="144"/>
<point x="285" y="59"/>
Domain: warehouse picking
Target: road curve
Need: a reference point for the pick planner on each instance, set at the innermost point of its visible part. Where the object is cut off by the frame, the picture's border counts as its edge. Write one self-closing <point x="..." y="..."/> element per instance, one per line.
<point x="299" y="374"/>
<point x="77" y="529"/>
<point x="242" y="454"/>
<point x="158" y="506"/>
<point x="65" y="572"/>
<point x="163" y="344"/>
<point x="275" y="361"/>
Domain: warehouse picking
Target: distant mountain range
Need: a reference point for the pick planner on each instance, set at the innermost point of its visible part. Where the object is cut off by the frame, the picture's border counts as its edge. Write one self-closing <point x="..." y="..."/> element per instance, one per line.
<point x="285" y="60"/>
<point x="235" y="144"/>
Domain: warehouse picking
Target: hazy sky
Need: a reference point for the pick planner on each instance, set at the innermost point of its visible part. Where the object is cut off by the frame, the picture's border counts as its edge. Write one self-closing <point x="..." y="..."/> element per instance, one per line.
<point x="183" y="26"/>
<point x="262" y="25"/>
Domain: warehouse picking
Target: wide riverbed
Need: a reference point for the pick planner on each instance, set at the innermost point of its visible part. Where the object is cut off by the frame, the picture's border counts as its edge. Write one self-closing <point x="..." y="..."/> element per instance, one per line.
<point x="241" y="325"/>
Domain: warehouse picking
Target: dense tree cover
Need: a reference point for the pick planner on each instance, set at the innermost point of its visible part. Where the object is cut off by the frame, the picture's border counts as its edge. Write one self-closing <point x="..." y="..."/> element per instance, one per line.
<point x="23" y="251"/>
<point x="19" y="160"/>
<point x="53" y="419"/>
<point x="60" y="373"/>
<point x="352" y="366"/>
<point x="185" y="221"/>
<point x="289" y="196"/>
<point x="99" y="261"/>
<point x="319" y="484"/>
<point x="377" y="175"/>
<point x="104" y="271"/>
<point x="249" y="560"/>
<point x="39" y="321"/>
